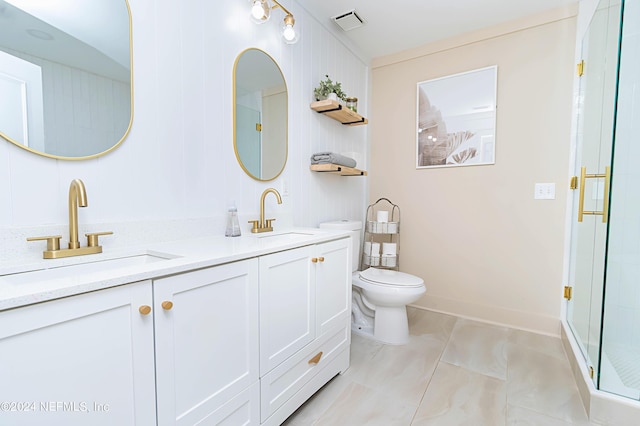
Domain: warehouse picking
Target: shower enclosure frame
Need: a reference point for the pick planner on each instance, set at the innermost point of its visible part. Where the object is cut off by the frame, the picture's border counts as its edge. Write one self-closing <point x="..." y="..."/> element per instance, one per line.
<point x="597" y="313"/>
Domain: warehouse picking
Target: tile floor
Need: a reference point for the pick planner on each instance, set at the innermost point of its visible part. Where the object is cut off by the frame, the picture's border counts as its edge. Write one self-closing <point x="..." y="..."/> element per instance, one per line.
<point x="454" y="371"/>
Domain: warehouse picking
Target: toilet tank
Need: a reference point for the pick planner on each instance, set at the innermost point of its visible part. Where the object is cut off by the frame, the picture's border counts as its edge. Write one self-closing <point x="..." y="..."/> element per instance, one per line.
<point x="355" y="230"/>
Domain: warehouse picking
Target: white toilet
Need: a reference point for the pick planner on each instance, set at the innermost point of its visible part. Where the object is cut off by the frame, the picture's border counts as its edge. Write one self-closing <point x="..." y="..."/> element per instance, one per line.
<point x="380" y="296"/>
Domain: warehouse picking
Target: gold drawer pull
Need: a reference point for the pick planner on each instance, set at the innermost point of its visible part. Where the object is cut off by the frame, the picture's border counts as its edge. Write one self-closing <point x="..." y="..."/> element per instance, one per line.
<point x="145" y="309"/>
<point x="167" y="305"/>
<point x="316" y="359"/>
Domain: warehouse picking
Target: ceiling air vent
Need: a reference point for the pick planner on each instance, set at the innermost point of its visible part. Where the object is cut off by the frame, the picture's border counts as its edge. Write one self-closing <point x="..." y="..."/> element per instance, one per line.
<point x="349" y="20"/>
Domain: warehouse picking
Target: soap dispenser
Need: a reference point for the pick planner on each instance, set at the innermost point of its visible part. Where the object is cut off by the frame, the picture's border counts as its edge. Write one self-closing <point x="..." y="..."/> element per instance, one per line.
<point x="233" y="226"/>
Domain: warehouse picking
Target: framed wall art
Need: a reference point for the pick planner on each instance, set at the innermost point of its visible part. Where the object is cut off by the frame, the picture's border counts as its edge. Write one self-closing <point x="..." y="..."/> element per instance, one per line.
<point x="456" y="122"/>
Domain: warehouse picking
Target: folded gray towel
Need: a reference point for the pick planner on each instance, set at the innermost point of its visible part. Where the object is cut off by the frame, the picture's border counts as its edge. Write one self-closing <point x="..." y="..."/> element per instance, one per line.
<point x="332" y="158"/>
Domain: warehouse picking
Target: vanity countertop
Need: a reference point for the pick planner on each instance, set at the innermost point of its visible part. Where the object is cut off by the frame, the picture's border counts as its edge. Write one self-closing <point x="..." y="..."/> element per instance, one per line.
<point x="27" y="283"/>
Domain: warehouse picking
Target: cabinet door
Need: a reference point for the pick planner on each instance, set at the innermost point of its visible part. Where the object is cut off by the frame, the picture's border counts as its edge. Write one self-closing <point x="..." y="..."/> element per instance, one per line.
<point x="81" y="360"/>
<point x="333" y="285"/>
<point x="287" y="305"/>
<point x="206" y="340"/>
<point x="243" y="409"/>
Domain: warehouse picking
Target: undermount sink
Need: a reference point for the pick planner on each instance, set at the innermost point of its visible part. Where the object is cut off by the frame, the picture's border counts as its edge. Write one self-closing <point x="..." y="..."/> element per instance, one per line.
<point x="69" y="271"/>
<point x="284" y="236"/>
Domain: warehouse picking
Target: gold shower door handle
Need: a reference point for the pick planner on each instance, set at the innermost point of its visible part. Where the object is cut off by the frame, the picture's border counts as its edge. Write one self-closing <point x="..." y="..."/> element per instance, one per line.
<point x="605" y="201"/>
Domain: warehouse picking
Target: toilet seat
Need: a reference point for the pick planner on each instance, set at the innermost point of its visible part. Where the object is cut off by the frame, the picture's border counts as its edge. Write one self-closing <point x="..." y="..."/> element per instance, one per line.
<point x="390" y="278"/>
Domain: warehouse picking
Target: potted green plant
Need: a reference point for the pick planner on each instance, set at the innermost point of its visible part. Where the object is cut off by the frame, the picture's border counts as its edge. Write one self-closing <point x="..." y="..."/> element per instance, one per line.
<point x="326" y="88"/>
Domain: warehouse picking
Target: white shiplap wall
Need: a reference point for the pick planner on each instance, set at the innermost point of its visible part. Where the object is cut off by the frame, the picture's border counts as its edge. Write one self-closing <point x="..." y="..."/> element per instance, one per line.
<point x="178" y="161"/>
<point x="96" y="106"/>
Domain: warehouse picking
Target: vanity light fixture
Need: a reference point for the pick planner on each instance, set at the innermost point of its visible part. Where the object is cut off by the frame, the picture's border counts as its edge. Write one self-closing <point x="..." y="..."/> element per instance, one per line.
<point x="261" y="11"/>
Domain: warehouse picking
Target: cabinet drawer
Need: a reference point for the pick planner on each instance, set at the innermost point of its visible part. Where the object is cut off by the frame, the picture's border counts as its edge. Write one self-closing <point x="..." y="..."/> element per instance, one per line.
<point x="285" y="380"/>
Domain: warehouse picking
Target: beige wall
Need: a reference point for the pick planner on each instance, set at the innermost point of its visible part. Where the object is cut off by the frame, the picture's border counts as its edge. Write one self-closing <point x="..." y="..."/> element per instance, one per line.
<point x="485" y="248"/>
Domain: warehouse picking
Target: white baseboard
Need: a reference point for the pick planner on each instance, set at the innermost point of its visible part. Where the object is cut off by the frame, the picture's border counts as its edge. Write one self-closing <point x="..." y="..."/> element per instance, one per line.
<point x="512" y="318"/>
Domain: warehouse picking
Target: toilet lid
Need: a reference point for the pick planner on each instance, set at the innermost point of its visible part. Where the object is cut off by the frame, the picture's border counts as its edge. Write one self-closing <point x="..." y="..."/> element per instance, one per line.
<point x="387" y="277"/>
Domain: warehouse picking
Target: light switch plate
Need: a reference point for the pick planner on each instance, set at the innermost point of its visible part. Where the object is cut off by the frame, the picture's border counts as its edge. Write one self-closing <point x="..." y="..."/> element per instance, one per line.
<point x="545" y="191"/>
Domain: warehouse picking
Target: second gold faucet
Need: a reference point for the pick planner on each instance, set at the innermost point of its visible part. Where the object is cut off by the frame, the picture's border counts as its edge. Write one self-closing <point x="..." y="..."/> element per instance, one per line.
<point x="263" y="225"/>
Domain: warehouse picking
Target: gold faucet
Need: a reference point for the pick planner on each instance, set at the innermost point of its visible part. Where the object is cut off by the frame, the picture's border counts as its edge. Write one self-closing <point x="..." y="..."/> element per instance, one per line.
<point x="77" y="197"/>
<point x="263" y="225"/>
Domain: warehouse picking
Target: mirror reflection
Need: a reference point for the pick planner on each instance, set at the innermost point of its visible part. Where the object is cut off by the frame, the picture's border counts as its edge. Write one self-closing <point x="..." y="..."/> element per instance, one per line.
<point x="65" y="76"/>
<point x="260" y="115"/>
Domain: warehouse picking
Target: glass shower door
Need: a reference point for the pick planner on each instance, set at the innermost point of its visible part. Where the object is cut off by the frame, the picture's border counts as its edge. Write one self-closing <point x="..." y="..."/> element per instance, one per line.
<point x="595" y="126"/>
<point x="620" y="356"/>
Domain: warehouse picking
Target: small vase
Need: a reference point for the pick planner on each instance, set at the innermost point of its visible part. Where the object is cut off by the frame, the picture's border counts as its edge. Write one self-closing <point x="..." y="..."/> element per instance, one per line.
<point x="333" y="97"/>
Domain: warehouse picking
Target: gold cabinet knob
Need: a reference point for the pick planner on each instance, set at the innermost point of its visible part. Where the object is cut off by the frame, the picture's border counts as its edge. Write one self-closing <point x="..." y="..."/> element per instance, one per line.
<point x="321" y="259"/>
<point x="314" y="259"/>
<point x="167" y="305"/>
<point x="145" y="309"/>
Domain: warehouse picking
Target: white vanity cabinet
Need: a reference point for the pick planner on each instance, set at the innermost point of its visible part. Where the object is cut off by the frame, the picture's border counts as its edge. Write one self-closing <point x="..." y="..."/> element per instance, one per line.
<point x="207" y="346"/>
<point x="86" y="359"/>
<point x="92" y="358"/>
<point x="305" y="314"/>
<point x="245" y="342"/>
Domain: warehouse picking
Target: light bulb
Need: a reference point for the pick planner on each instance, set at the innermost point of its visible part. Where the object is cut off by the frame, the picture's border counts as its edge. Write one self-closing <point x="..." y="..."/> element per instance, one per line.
<point x="288" y="32"/>
<point x="256" y="10"/>
<point x="260" y="11"/>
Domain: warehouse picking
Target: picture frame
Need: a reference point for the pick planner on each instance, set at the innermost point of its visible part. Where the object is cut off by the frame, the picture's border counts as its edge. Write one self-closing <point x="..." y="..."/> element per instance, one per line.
<point x="456" y="119"/>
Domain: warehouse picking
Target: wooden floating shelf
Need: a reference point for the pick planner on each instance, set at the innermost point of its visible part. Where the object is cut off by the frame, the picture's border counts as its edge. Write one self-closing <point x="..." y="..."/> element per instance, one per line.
<point x="337" y="169"/>
<point x="338" y="112"/>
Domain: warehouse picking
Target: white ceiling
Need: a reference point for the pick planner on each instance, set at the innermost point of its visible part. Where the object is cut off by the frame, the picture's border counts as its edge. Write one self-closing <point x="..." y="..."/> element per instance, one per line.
<point x="393" y="26"/>
<point x="93" y="36"/>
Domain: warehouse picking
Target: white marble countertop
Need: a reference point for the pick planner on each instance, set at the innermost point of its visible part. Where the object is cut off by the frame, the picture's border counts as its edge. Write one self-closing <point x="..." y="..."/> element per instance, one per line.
<point x="41" y="280"/>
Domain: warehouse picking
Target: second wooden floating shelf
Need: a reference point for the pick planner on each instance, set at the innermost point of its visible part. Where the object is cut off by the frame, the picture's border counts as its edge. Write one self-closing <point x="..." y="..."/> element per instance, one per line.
<point x="338" y="112"/>
<point x="337" y="169"/>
